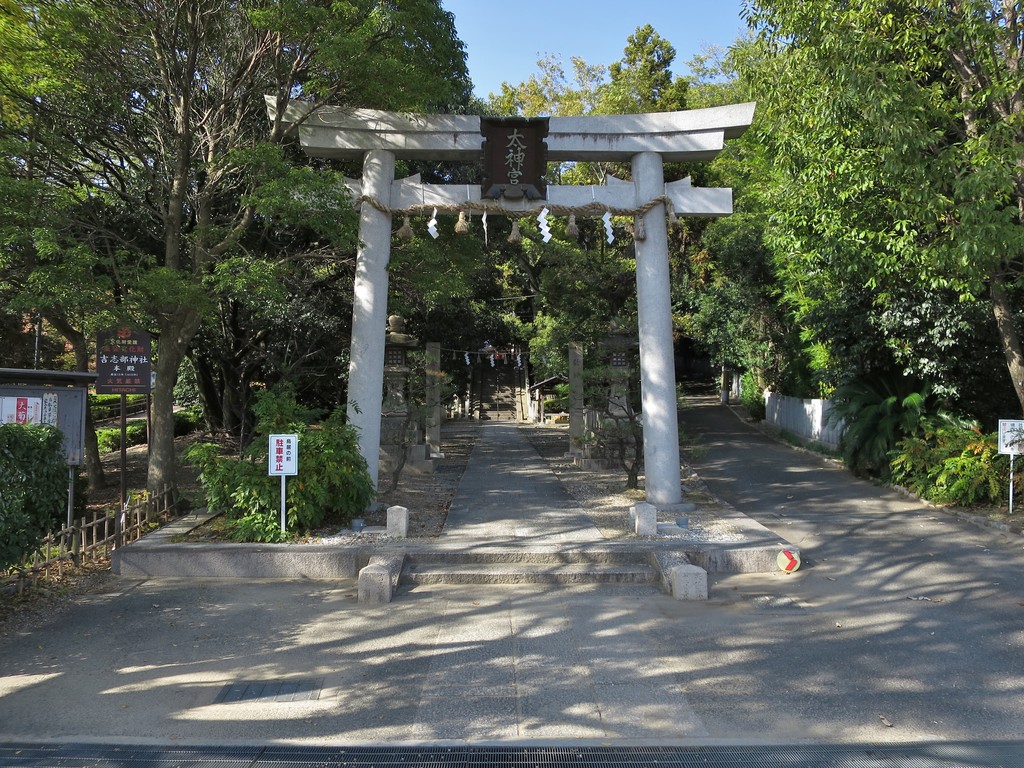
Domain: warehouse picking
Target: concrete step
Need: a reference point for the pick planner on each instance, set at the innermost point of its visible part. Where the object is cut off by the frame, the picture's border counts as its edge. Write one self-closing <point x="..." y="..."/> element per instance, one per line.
<point x="528" y="573"/>
<point x="518" y="555"/>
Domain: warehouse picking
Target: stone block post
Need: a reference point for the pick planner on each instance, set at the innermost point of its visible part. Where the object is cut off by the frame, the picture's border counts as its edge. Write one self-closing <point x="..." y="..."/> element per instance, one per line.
<point x="576" y="418"/>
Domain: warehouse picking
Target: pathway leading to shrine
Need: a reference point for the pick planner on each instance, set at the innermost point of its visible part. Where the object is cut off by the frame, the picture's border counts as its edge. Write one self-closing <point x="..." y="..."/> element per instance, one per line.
<point x="508" y="495"/>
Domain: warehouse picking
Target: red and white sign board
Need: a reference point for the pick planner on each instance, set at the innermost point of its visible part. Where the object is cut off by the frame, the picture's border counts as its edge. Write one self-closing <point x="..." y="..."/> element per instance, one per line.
<point x="1011" y="436"/>
<point x="21" y="410"/>
<point x="284" y="455"/>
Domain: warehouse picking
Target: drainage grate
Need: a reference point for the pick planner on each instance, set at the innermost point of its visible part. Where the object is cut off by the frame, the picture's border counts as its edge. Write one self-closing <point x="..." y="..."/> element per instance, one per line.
<point x="937" y="755"/>
<point x="271" y="691"/>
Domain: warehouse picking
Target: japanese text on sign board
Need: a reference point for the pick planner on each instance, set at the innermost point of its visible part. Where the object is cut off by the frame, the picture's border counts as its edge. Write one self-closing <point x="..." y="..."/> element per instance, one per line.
<point x="515" y="157"/>
<point x="22" y="410"/>
<point x="123" y="362"/>
<point x="284" y="455"/>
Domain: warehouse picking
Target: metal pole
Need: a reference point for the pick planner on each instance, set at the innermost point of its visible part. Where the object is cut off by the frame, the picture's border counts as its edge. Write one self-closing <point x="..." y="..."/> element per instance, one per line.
<point x="282" y="503"/>
<point x="124" y="450"/>
<point x="1011" y="482"/>
<point x="71" y="496"/>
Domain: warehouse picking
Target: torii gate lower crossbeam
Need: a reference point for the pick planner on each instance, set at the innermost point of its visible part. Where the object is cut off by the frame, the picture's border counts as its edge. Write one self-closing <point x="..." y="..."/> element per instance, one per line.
<point x="645" y="140"/>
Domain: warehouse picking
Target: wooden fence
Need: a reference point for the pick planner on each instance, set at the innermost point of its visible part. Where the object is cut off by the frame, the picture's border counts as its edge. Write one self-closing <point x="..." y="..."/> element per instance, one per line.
<point x="89" y="541"/>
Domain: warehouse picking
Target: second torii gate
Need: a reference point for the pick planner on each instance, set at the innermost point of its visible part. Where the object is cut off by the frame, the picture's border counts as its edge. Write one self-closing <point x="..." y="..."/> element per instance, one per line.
<point x="646" y="141"/>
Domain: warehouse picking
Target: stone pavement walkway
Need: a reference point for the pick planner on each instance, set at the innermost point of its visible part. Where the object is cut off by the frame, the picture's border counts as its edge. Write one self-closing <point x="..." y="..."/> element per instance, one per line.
<point x="508" y="494"/>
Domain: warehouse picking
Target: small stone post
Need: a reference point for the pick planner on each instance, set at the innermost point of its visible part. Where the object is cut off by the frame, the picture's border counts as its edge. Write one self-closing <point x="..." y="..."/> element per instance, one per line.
<point x="435" y="412"/>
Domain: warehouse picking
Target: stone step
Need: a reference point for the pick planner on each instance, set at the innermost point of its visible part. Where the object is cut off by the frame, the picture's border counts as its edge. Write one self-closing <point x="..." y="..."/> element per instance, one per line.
<point x="553" y="557"/>
<point x="527" y="573"/>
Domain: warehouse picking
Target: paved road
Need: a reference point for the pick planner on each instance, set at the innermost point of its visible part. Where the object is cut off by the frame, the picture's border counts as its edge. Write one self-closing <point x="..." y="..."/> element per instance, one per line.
<point x="846" y="651"/>
<point x="900" y="612"/>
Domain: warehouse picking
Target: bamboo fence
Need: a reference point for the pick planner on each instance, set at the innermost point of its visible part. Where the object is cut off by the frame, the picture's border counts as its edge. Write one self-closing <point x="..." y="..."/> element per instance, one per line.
<point x="89" y="541"/>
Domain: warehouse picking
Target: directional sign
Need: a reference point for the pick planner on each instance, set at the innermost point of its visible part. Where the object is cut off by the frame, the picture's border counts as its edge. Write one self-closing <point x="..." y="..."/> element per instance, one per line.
<point x="788" y="560"/>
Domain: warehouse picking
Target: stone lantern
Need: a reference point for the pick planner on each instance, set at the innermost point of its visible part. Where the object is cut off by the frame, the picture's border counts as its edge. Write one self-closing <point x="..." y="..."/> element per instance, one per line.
<point x="401" y="431"/>
<point x="620" y="346"/>
<point x="397" y="346"/>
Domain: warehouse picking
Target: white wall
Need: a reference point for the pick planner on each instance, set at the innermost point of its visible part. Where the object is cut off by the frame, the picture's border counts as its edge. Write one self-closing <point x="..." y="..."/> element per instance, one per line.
<point x="805" y="418"/>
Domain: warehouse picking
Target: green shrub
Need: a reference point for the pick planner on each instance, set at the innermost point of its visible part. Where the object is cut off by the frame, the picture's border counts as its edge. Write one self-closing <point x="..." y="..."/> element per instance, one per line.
<point x="952" y="462"/>
<point x="186" y="421"/>
<point x="109" y="406"/>
<point x="333" y="481"/>
<point x="877" y="412"/>
<point x="752" y="396"/>
<point x="109" y="438"/>
<point x="559" y="403"/>
<point x="33" y="488"/>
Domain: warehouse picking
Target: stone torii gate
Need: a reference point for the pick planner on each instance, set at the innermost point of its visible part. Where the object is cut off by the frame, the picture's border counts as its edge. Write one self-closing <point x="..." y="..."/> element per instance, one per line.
<point x="646" y="141"/>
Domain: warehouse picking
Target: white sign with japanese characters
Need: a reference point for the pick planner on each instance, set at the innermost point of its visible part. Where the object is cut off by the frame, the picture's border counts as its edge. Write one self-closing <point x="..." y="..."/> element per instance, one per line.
<point x="21" y="410"/>
<point x="284" y="455"/>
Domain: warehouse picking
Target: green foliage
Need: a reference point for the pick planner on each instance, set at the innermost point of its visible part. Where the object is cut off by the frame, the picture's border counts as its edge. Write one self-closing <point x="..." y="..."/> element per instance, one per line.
<point x="33" y="488"/>
<point x="109" y="406"/>
<point x="877" y="412"/>
<point x="560" y="402"/>
<point x="892" y="144"/>
<point x="109" y="438"/>
<point x="952" y="462"/>
<point x="140" y="174"/>
<point x="333" y="482"/>
<point x="752" y="396"/>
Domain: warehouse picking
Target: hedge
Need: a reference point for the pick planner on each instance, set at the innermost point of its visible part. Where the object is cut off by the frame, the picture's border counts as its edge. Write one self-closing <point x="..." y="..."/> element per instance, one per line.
<point x="33" y="489"/>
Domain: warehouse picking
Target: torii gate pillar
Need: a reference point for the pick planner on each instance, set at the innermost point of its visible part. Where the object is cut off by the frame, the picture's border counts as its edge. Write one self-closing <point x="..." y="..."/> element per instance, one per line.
<point x="657" y="359"/>
<point x="370" y="309"/>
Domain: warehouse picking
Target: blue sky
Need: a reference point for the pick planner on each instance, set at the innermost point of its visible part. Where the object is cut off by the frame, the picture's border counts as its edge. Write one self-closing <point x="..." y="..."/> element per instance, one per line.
<point x="504" y="40"/>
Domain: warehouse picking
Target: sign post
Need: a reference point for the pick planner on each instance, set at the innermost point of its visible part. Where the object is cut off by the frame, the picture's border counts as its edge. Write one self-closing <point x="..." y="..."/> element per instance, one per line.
<point x="123" y="359"/>
<point x="283" y="460"/>
<point x="1011" y="441"/>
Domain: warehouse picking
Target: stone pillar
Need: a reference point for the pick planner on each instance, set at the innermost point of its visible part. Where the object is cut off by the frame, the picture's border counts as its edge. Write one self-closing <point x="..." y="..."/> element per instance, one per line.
<point x="435" y="412"/>
<point x="370" y="308"/>
<point x="576" y="419"/>
<point x="657" y="362"/>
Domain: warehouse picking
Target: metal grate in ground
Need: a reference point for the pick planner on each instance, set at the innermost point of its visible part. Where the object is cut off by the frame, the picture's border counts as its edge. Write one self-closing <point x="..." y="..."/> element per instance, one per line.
<point x="940" y="755"/>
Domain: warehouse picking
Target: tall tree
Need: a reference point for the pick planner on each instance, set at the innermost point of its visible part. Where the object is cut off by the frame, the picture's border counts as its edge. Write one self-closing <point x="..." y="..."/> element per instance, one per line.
<point x="154" y="110"/>
<point x="898" y="134"/>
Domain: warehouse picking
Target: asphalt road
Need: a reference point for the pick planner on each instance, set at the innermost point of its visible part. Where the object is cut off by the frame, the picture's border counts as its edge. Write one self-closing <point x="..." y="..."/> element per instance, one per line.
<point x="901" y="614"/>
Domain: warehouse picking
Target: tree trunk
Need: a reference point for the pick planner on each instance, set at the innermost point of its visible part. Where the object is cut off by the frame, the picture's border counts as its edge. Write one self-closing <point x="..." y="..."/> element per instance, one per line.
<point x="176" y="332"/>
<point x="1009" y="338"/>
<point x="209" y="393"/>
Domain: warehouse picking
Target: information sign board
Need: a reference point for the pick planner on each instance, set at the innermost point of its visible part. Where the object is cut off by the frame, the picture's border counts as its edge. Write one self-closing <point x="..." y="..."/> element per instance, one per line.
<point x="62" y="407"/>
<point x="1011" y="436"/>
<point x="123" y="361"/>
<point x="284" y="455"/>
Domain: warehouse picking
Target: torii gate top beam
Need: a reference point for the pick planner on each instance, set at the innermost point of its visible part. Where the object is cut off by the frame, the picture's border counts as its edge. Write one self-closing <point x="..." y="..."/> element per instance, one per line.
<point x="691" y="135"/>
